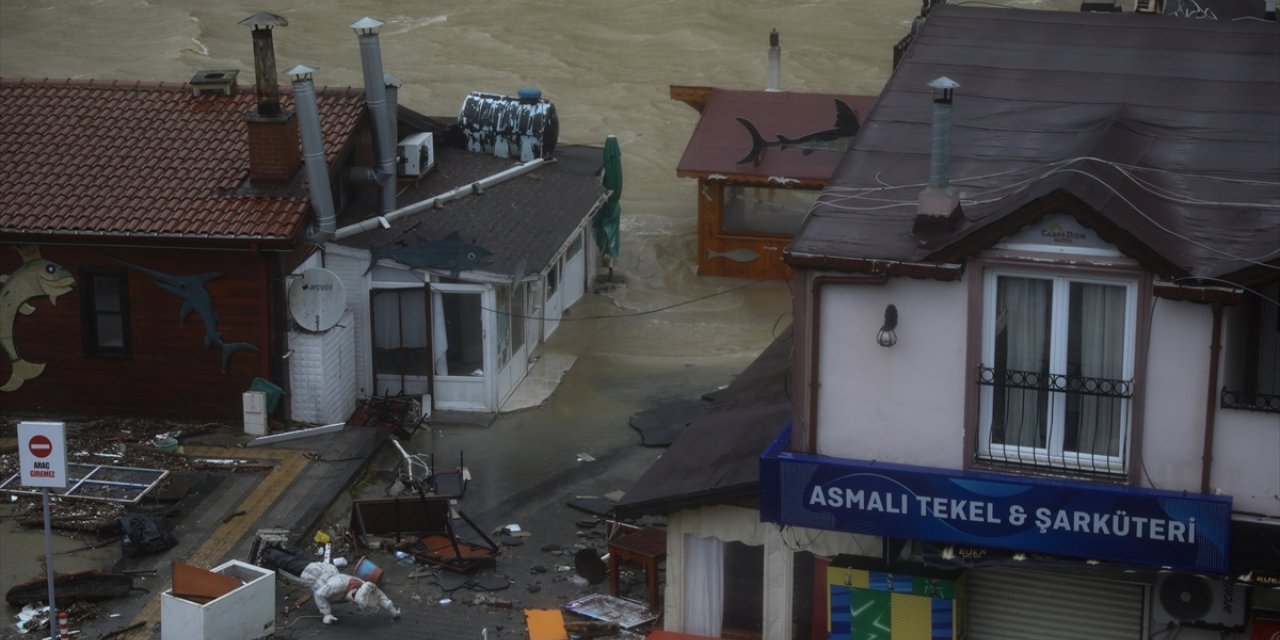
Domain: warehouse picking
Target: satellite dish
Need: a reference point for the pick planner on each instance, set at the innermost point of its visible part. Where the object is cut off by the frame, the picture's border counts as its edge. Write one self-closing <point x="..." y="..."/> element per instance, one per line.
<point x="317" y="300"/>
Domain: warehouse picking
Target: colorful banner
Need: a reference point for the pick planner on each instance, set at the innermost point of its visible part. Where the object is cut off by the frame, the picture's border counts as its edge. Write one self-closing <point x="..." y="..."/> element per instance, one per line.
<point x="1020" y="513"/>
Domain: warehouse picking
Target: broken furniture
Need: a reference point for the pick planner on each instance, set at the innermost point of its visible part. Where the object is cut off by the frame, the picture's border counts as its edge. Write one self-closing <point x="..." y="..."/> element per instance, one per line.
<point x="81" y="586"/>
<point x="426" y="520"/>
<point x="641" y="547"/>
<point x="627" y="614"/>
<point x="241" y="603"/>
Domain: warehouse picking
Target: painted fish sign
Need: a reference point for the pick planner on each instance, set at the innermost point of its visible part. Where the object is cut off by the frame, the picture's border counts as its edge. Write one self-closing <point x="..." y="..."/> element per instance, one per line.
<point x="35" y="278"/>
<point x="836" y="138"/>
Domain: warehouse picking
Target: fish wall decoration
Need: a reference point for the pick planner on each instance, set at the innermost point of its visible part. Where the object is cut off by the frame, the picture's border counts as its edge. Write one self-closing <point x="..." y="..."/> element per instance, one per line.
<point x="195" y="297"/>
<point x="836" y="138"/>
<point x="450" y="253"/>
<point x="34" y="278"/>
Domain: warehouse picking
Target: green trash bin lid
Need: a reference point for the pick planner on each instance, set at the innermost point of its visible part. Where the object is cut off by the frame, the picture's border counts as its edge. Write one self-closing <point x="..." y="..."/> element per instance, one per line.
<point x="272" y="391"/>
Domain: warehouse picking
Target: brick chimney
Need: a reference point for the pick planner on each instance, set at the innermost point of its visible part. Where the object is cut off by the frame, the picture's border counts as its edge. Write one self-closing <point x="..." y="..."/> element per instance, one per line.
<point x="274" y="155"/>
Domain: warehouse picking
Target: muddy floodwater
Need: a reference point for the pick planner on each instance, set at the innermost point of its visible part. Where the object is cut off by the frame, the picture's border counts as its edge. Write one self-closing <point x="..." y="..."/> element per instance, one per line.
<point x="606" y="64"/>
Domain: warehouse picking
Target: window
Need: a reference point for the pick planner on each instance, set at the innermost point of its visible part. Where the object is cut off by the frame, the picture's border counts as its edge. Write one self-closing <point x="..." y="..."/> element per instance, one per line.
<point x="1253" y="353"/>
<point x="763" y="211"/>
<point x="1057" y="371"/>
<point x="105" y="313"/>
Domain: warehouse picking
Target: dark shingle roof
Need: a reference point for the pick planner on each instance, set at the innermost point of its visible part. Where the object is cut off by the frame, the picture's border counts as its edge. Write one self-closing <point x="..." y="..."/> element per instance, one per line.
<point x="1169" y="128"/>
<point x="716" y="459"/>
<point x="132" y="159"/>
<point x="525" y="220"/>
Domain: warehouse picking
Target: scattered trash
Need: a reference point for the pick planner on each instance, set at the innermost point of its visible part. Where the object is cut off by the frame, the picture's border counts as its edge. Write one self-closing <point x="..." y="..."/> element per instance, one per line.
<point x="33" y="617"/>
<point x="511" y="528"/>
<point x="585" y="457"/>
<point x="445" y="601"/>
<point x="590" y="566"/>
<point x="322" y="538"/>
<point x="339" y="562"/>
<point x="405" y="558"/>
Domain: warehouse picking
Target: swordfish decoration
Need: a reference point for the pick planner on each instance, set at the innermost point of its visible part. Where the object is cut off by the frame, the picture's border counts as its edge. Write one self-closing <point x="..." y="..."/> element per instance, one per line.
<point x="451" y="253"/>
<point x="34" y="278"/>
<point x="191" y="290"/>
<point x="834" y="139"/>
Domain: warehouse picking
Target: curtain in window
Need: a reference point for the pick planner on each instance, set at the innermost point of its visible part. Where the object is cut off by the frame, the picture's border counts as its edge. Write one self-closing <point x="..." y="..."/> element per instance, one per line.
<point x="704" y="586"/>
<point x="1024" y="310"/>
<point x="1095" y="349"/>
<point x="439" y="335"/>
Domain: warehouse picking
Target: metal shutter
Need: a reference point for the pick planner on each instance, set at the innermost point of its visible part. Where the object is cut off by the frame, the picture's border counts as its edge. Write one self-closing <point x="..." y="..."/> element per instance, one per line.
<point x="1016" y="604"/>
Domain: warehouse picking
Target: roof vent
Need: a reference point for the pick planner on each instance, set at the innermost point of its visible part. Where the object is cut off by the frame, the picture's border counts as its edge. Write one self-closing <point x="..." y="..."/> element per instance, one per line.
<point x="214" y="81"/>
<point x="939" y="204"/>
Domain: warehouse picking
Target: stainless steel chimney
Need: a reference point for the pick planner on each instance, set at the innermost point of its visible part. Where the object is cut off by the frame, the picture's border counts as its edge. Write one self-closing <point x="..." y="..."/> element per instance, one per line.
<point x="304" y="99"/>
<point x="775" y="62"/>
<point x="375" y="95"/>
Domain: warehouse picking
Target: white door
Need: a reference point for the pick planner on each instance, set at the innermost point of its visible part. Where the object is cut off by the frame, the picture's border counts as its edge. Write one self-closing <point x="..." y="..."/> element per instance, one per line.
<point x="462" y="355"/>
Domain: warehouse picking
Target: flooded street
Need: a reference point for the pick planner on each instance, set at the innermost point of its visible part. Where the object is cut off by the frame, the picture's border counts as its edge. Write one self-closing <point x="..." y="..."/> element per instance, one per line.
<point x="607" y="66"/>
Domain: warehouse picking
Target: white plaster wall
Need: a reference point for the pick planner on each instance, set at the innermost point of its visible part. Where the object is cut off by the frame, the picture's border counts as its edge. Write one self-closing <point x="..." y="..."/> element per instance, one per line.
<point x="350" y="265"/>
<point x="1176" y="387"/>
<point x="903" y="403"/>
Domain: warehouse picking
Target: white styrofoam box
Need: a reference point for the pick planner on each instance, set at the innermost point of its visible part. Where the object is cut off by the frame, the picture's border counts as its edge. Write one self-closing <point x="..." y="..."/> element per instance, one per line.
<point x="255" y="413"/>
<point x="247" y="612"/>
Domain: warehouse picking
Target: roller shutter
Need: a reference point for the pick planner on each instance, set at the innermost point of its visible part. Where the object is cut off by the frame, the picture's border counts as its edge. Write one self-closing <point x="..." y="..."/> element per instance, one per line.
<point x="1016" y="604"/>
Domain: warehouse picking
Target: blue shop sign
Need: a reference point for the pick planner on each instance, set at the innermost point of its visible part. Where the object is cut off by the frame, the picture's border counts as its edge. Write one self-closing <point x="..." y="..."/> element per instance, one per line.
<point x="1039" y="515"/>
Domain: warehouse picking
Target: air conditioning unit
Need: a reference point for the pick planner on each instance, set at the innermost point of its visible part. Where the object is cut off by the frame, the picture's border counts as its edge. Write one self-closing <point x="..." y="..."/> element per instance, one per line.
<point x="417" y="155"/>
<point x="1190" y="600"/>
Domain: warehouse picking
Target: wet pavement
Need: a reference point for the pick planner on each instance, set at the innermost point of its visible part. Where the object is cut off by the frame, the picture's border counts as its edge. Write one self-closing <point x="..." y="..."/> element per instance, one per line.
<point x="525" y="466"/>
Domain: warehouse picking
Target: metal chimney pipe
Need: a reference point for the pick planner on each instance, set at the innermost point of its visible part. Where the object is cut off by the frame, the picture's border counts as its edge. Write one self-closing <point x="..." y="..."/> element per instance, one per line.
<point x="264" y="61"/>
<point x="940" y="156"/>
<point x="375" y="95"/>
<point x="304" y="99"/>
<point x="775" y="62"/>
<point x="392" y="85"/>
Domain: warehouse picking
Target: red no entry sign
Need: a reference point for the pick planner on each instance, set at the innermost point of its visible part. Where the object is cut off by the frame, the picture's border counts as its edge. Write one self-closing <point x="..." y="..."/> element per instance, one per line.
<point x="42" y="460"/>
<point x="40" y="446"/>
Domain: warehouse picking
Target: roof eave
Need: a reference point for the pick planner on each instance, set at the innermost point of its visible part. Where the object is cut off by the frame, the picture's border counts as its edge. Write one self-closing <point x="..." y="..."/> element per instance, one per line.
<point x="876" y="266"/>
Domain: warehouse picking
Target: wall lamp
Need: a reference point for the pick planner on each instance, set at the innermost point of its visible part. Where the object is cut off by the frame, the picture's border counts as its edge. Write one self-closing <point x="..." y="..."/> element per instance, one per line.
<point x="887" y="336"/>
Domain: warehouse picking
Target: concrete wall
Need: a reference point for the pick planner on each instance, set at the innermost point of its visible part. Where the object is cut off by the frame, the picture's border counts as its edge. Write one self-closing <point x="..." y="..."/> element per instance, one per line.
<point x="882" y="403"/>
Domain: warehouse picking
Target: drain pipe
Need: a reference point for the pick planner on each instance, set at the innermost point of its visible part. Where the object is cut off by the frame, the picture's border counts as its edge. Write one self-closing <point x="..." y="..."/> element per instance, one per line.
<point x="475" y="188"/>
<point x="304" y="100"/>
<point x="375" y="95"/>
<point x="1211" y="407"/>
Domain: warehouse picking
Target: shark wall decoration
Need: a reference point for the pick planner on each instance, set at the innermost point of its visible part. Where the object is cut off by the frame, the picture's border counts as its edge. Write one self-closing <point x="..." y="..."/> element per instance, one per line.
<point x="834" y="139"/>
<point x="195" y="297"/>
<point x="450" y="253"/>
<point x="34" y="278"/>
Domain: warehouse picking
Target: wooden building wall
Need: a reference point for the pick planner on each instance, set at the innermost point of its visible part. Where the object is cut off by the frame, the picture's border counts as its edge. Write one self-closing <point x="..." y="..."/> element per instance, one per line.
<point x="169" y="372"/>
<point x="711" y="241"/>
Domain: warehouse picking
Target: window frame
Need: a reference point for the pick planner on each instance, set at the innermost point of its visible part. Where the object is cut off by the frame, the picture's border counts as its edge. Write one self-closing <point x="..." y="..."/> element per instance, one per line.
<point x="1053" y="455"/>
<point x="90" y="313"/>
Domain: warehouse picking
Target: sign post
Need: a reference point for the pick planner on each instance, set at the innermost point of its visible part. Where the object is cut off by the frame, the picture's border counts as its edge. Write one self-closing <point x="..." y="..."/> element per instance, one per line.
<point x="42" y="462"/>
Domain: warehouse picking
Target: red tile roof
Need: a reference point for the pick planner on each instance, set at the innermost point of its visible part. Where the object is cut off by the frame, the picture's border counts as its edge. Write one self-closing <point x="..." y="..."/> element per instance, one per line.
<point x="112" y="159"/>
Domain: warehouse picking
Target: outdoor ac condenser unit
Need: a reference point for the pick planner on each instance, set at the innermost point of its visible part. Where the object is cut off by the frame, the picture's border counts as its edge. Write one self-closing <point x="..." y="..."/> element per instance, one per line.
<point x="1191" y="600"/>
<point x="417" y="155"/>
